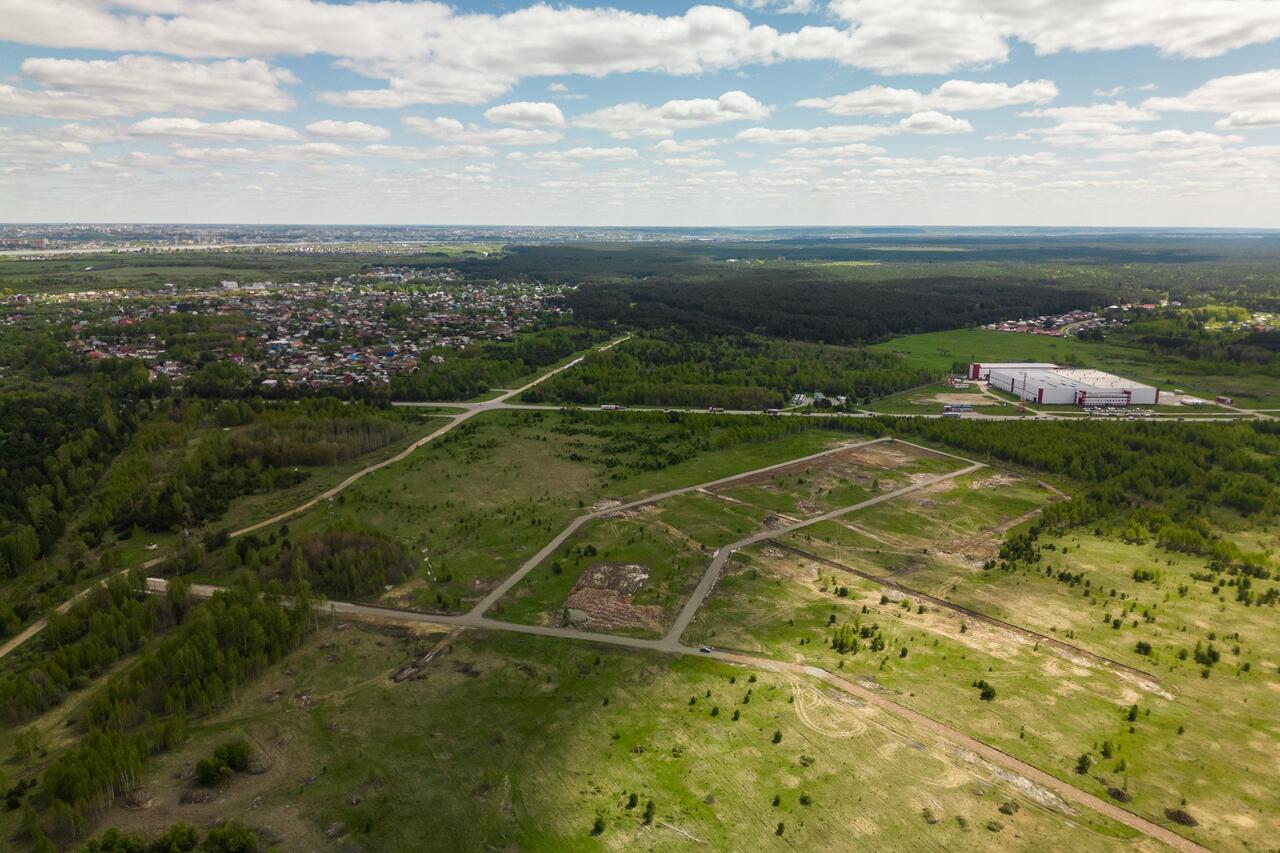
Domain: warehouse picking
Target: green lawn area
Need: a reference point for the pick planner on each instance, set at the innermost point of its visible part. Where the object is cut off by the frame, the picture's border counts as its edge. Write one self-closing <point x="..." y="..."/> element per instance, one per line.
<point x="924" y="401"/>
<point x="940" y="350"/>
<point x="522" y="743"/>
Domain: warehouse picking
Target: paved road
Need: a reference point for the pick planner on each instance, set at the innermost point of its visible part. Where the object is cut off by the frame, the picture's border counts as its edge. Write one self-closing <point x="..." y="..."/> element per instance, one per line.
<point x="861" y="413"/>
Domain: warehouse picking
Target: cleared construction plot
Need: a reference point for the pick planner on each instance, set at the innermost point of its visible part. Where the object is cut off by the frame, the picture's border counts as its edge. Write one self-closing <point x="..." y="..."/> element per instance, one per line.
<point x="630" y="569"/>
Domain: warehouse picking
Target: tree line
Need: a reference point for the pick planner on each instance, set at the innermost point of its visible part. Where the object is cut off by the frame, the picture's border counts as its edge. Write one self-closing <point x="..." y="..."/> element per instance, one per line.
<point x="808" y="306"/>
<point x="674" y="367"/>
<point x="192" y="671"/>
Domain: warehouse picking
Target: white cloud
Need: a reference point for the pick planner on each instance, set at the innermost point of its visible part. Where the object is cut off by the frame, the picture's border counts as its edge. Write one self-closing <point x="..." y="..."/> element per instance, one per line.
<point x="1110" y="135"/>
<point x="928" y="122"/>
<point x="353" y="130"/>
<point x="300" y="152"/>
<point x="429" y="52"/>
<point x="434" y="152"/>
<point x="190" y="127"/>
<point x="624" y="121"/>
<point x="526" y="114"/>
<point x="833" y="153"/>
<point x="691" y="162"/>
<point x="1249" y="100"/>
<point x="935" y="36"/>
<point x="1117" y="111"/>
<point x="214" y="154"/>
<point x="572" y="157"/>
<point x="557" y="87"/>
<point x="27" y="147"/>
<point x="684" y="146"/>
<point x="934" y="122"/>
<point x="1251" y="118"/>
<point x="76" y="88"/>
<point x="452" y="130"/>
<point x="35" y="102"/>
<point x="810" y="135"/>
<point x="782" y="7"/>
<point x="952" y="96"/>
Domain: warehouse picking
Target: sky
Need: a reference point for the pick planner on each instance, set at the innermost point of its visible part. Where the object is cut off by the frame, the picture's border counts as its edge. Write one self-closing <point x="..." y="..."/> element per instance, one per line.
<point x="732" y="112"/>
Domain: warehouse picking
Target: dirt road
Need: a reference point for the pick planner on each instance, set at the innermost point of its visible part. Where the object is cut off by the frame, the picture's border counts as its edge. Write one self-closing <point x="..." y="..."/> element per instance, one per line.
<point x="471" y="410"/>
<point x="551" y="547"/>
<point x="1068" y="792"/>
<point x="722" y="555"/>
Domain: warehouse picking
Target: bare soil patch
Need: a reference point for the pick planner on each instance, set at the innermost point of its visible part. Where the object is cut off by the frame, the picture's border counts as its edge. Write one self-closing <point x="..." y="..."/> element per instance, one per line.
<point x="958" y="397"/>
<point x="602" y="598"/>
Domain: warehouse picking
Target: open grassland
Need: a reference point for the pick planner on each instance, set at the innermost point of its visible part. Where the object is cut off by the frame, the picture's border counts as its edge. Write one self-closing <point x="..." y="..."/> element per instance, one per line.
<point x="942" y="350"/>
<point x="1179" y="739"/>
<point x="523" y="743"/>
<point x="485" y="497"/>
<point x="813" y="488"/>
<point x="961" y="520"/>
<point x="632" y="569"/>
<point x="320" y="478"/>
<point x="1089" y="588"/>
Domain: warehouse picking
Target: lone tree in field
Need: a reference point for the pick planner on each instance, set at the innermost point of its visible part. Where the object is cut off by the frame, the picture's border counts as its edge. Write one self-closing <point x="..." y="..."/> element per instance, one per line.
<point x="777" y="736"/>
<point x="649" y="809"/>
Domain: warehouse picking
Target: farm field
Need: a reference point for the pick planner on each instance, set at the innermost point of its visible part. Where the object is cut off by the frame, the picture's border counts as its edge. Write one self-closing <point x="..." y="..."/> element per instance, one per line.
<point x="941" y="350"/>
<point x="568" y="733"/>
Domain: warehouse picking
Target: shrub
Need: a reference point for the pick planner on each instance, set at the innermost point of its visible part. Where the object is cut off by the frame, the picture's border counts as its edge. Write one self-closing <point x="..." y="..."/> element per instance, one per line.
<point x="211" y="771"/>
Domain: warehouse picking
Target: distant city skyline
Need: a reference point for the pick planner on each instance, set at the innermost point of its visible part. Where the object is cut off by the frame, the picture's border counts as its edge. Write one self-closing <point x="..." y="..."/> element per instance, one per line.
<point x="748" y="113"/>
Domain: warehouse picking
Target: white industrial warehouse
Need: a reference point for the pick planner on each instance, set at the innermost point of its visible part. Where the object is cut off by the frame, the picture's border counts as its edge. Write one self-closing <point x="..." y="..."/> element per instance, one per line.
<point x="1064" y="386"/>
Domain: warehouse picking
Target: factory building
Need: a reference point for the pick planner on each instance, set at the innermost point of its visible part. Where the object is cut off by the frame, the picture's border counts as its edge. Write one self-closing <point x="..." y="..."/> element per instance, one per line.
<point x="1069" y="386"/>
<point x="981" y="372"/>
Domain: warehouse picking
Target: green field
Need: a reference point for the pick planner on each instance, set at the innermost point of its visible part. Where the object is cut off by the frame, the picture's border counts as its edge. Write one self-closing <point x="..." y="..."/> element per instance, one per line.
<point x="926" y="401"/>
<point x="477" y="503"/>
<point x="1196" y="740"/>
<point x="942" y="350"/>
<point x="513" y="743"/>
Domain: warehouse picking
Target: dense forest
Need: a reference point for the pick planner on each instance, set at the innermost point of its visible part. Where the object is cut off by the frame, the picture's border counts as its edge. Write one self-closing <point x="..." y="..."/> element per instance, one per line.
<point x="1187" y="335"/>
<point x="143" y="709"/>
<point x="676" y="368"/>
<point x="807" y="306"/>
<point x="109" y="622"/>
<point x="616" y="261"/>
<point x="178" y="473"/>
